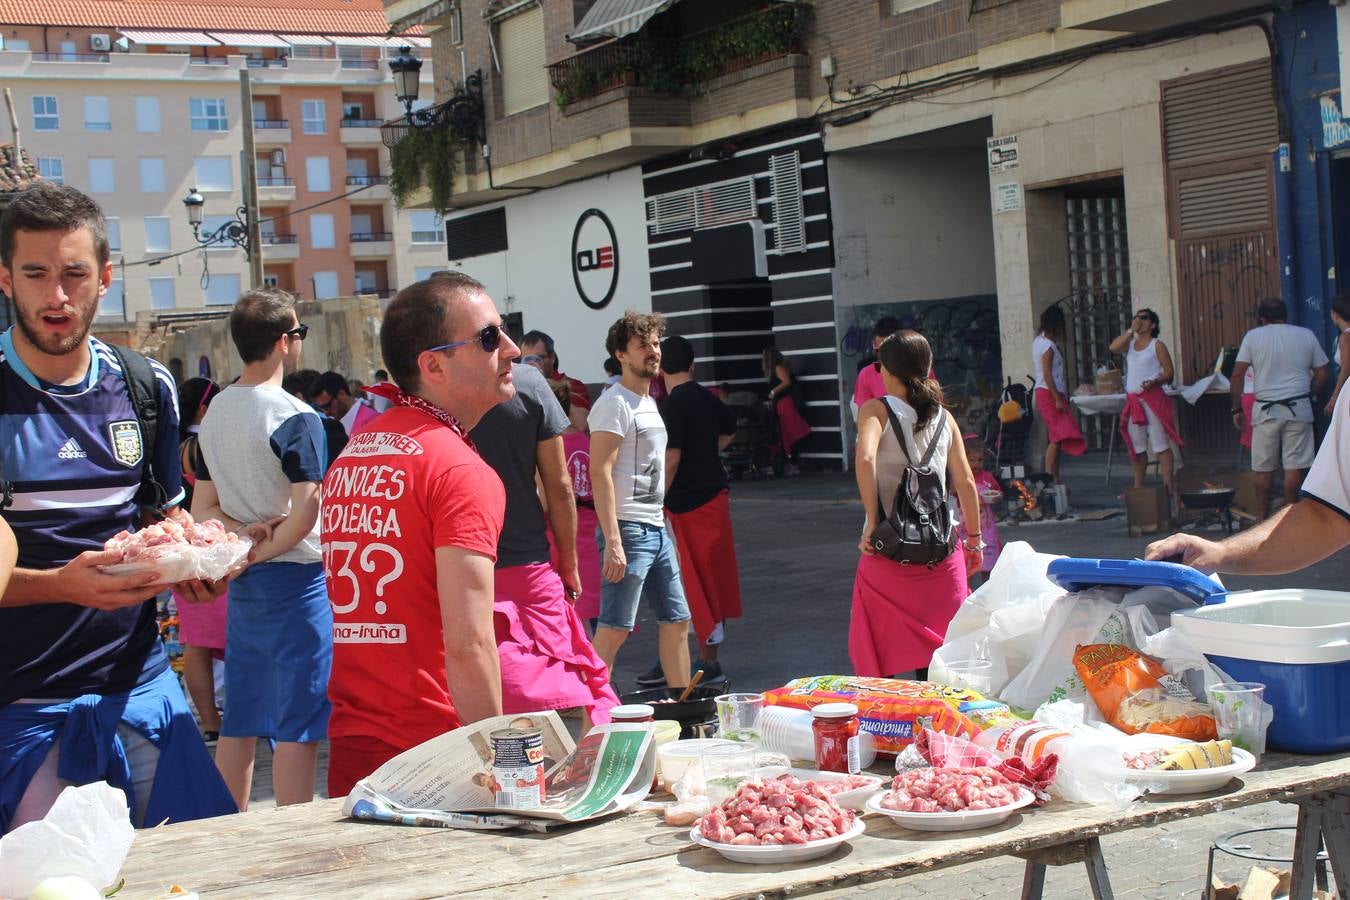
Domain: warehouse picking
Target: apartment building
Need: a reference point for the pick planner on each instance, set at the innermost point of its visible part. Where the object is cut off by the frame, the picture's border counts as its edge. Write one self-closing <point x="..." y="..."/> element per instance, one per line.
<point x="136" y="103"/>
<point x="784" y="173"/>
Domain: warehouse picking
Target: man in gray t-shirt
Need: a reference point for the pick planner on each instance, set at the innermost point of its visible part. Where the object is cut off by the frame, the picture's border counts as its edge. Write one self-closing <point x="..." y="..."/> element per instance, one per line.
<point x="546" y="660"/>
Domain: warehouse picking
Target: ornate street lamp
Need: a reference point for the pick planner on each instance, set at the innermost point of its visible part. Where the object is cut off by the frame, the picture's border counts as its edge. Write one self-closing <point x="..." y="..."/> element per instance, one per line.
<point x="234" y="232"/>
<point x="463" y="112"/>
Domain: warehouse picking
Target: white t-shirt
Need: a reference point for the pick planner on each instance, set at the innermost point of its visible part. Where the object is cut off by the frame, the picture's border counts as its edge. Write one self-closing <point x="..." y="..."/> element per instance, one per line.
<point x="1038" y="349"/>
<point x="640" y="468"/>
<point x="1282" y="357"/>
<point x="891" y="462"/>
<point x="1329" y="478"/>
<point x="1141" y="365"/>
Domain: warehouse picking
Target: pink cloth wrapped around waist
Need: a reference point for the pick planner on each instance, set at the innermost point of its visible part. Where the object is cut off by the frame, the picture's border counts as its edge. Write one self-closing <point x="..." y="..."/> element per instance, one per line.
<point x="1156" y="399"/>
<point x="547" y="660"/>
<point x="901" y="613"/>
<point x="1060" y="425"/>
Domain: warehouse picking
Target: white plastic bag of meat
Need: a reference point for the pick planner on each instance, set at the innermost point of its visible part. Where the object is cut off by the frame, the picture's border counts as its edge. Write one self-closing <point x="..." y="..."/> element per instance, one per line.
<point x="178" y="551"/>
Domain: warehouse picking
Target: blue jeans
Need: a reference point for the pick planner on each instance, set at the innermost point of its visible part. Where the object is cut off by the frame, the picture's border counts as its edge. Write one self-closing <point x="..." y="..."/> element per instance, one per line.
<point x="653" y="573"/>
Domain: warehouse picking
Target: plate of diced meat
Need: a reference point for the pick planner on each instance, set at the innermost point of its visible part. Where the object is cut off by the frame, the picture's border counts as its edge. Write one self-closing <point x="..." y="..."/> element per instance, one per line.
<point x="776" y="820"/>
<point x="849" y="791"/>
<point x="950" y="799"/>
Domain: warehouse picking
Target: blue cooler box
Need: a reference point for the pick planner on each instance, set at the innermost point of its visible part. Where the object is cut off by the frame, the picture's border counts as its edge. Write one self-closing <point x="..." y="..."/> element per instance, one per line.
<point x="1295" y="642"/>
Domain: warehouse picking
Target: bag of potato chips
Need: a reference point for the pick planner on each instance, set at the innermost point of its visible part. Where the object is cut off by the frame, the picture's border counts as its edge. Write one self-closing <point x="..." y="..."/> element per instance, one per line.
<point x="1136" y="694"/>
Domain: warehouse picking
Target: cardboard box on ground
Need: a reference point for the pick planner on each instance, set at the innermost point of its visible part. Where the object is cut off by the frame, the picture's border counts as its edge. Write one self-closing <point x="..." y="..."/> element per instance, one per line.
<point x="1146" y="509"/>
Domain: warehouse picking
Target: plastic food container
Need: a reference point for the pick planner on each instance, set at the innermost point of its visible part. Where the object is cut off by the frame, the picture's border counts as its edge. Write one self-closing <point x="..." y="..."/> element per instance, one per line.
<point x="672" y="759"/>
<point x="1296" y="642"/>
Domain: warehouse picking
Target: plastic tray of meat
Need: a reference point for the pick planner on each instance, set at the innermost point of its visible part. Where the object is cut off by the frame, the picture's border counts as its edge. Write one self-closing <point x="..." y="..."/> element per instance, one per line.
<point x="776" y="854"/>
<point x="178" y="551"/>
<point x="955" y="799"/>
<point x="849" y="791"/>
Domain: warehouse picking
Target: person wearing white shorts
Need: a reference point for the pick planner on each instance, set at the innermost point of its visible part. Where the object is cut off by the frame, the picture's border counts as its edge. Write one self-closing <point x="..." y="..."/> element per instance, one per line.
<point x="1289" y="368"/>
<point x="1148" y="365"/>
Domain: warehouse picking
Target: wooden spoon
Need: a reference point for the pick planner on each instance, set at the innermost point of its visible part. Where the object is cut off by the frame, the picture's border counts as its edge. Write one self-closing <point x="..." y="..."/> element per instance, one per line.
<point x="693" y="683"/>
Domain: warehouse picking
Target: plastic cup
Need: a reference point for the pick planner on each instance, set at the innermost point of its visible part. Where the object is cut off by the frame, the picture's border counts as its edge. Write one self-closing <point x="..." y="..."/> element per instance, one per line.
<point x="725" y="767"/>
<point x="738" y="717"/>
<point x="973" y="675"/>
<point x="1237" y="714"/>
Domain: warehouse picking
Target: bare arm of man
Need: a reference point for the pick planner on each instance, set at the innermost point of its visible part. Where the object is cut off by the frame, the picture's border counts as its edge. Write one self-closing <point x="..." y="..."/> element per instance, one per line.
<point x="1320" y="374"/>
<point x="1235" y="385"/>
<point x="604" y="451"/>
<point x="464" y="585"/>
<point x="1292" y="539"/>
<point x="292" y="529"/>
<point x="1343" y="342"/>
<point x="561" y="509"/>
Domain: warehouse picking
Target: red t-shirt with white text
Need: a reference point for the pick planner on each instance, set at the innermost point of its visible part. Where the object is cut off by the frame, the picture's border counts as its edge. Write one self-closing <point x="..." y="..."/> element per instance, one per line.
<point x="398" y="491"/>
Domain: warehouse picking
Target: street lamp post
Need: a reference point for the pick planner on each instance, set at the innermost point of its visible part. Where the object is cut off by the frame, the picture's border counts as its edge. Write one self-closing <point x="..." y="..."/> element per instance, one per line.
<point x="234" y="232"/>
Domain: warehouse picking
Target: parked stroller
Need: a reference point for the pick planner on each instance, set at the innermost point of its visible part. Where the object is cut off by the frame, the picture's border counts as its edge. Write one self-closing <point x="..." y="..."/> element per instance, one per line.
<point x="748" y="451"/>
<point x="1007" y="441"/>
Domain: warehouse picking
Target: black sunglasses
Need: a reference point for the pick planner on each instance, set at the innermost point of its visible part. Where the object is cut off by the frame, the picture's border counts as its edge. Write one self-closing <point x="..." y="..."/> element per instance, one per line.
<point x="490" y="338"/>
<point x="299" y="331"/>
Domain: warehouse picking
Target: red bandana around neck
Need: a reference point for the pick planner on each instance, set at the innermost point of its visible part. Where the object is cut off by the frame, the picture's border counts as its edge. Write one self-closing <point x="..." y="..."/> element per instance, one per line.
<point x="392" y="393"/>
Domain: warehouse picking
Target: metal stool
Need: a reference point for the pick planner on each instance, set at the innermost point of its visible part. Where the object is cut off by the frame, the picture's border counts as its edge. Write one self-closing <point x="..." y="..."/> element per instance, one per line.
<point x="1232" y="845"/>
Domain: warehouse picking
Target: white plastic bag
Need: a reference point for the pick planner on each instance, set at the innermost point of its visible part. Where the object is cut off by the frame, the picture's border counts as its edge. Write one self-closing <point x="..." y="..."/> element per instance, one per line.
<point x="87" y="833"/>
<point x="184" y="562"/>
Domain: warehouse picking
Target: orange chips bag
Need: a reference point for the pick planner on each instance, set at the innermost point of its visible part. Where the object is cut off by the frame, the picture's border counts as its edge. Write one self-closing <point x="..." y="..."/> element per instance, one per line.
<point x="1135" y="693"/>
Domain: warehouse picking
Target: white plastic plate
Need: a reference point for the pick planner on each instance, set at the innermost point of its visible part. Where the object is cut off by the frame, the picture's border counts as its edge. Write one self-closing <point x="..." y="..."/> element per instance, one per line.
<point x="966" y="820"/>
<point x="1192" y="781"/>
<point x="855" y="799"/>
<point x="776" y="854"/>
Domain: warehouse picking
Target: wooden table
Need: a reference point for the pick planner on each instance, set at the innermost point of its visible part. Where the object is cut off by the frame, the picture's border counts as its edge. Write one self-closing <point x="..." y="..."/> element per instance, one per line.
<point x="308" y="851"/>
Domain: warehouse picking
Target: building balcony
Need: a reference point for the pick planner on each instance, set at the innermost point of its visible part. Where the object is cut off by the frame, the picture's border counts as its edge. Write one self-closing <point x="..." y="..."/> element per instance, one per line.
<point x="276" y="190"/>
<point x="361" y="131"/>
<point x="280" y="247"/>
<point x="258" y="62"/>
<point x="72" y="57"/>
<point x="1143" y="15"/>
<point x="272" y="131"/>
<point x="675" y="66"/>
<point x="372" y="245"/>
<point x="376" y="186"/>
<point x="384" y="293"/>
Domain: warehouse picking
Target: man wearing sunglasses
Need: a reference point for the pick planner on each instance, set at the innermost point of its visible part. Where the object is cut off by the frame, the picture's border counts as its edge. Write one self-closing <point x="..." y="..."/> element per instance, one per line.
<point x="411" y="521"/>
<point x="262" y="460"/>
<point x="332" y="395"/>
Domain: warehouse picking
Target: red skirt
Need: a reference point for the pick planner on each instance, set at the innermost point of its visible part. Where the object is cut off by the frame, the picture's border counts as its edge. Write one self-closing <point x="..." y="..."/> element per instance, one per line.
<point x="1060" y="425"/>
<point x="707" y="551"/>
<point x="791" y="426"/>
<point x="901" y="613"/>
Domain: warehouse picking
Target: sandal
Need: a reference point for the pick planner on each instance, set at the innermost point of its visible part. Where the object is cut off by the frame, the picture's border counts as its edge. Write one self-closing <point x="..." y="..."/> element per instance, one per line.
<point x="210" y="737"/>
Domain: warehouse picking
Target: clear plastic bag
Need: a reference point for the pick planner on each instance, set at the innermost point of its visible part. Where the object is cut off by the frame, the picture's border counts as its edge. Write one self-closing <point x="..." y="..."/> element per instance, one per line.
<point x="179" y="551"/>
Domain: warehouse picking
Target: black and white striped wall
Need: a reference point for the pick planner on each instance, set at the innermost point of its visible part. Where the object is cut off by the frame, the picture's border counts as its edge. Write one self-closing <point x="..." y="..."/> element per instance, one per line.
<point x="741" y="258"/>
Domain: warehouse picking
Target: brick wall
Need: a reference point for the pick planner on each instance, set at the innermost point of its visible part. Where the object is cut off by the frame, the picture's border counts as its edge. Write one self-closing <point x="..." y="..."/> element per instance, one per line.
<point x="1007" y="21"/>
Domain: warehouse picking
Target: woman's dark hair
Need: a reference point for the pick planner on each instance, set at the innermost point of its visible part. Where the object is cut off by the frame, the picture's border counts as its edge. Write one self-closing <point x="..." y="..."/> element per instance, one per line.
<point x="1052" y="324"/>
<point x="1152" y="318"/>
<point x="907" y="356"/>
<point x="1341" y="306"/>
<point x="562" y="389"/>
<point x="193" y="395"/>
<point x="772" y="359"/>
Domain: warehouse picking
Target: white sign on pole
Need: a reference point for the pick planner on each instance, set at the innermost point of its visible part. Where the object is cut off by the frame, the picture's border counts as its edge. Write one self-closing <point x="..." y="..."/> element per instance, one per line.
<point x="1008" y="197"/>
<point x="1003" y="153"/>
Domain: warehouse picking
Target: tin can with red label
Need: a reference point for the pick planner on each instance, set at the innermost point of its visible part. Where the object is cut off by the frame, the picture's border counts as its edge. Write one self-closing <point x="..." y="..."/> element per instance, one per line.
<point x="518" y="767"/>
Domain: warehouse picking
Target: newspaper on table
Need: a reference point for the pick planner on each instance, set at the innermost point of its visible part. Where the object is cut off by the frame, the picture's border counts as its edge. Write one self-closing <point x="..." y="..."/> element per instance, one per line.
<point x="447" y="782"/>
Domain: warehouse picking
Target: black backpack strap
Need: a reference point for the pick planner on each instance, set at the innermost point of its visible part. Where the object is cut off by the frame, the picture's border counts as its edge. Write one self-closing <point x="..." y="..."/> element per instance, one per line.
<point x="144" y="394"/>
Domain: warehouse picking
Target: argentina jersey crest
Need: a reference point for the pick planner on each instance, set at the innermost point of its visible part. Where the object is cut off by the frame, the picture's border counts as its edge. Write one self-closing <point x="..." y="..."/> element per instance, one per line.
<point x="127" y="447"/>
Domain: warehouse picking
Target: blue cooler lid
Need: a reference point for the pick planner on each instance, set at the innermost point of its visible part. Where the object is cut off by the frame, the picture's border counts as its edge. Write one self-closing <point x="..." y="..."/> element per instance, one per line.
<point x="1079" y="574"/>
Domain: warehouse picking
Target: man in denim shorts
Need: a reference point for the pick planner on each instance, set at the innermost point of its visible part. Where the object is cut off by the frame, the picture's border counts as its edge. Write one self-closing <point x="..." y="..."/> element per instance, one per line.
<point x="628" y="455"/>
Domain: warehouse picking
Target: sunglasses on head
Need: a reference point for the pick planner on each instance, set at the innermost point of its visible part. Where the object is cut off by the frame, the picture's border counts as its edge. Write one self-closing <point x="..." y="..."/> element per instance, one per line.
<point x="489" y="338"/>
<point x="299" y="332"/>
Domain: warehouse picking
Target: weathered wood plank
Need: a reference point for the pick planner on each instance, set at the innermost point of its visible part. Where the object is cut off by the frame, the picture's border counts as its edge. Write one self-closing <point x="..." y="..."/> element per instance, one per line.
<point x="309" y="850"/>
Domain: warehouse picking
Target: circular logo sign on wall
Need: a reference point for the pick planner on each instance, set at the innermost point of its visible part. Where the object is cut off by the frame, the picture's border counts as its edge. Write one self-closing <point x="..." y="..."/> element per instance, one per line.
<point x="595" y="259"/>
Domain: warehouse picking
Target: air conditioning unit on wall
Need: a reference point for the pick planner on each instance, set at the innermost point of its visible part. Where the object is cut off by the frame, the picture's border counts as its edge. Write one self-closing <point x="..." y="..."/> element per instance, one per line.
<point x="100" y="43"/>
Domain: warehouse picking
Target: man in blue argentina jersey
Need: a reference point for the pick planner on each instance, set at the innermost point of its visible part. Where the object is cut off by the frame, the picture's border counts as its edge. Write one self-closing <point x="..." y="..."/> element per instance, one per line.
<point x="86" y="693"/>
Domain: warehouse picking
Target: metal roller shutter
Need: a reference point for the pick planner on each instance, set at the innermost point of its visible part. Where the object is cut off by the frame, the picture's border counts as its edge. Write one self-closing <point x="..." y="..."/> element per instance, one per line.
<point x="1226" y="202"/>
<point x="1229" y="114"/>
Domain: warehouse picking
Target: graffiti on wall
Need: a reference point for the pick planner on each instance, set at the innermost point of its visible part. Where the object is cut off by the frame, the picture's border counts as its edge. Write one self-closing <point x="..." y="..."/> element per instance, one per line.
<point x="964" y="335"/>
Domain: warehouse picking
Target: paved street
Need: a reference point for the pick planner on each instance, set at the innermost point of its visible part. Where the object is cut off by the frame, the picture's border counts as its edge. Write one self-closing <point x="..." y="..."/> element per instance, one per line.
<point x="796" y="544"/>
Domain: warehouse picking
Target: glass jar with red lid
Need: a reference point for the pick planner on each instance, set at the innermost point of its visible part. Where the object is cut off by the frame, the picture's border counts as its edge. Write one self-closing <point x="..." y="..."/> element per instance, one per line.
<point x="835" y="729"/>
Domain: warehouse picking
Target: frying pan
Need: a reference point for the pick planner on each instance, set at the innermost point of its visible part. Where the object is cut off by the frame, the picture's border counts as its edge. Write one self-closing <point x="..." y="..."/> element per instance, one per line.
<point x="1208" y="498"/>
<point x="699" y="708"/>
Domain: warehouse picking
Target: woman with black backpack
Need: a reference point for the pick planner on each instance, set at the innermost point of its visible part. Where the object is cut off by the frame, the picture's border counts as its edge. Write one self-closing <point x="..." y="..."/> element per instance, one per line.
<point x="910" y="581"/>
